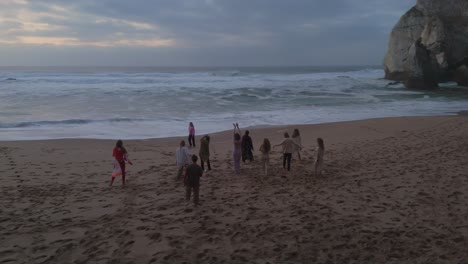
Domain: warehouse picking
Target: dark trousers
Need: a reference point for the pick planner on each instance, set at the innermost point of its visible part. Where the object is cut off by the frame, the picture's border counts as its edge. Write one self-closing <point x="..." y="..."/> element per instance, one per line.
<point x="287" y="157"/>
<point x="188" y="192"/>
<point x="191" y="140"/>
<point x="203" y="164"/>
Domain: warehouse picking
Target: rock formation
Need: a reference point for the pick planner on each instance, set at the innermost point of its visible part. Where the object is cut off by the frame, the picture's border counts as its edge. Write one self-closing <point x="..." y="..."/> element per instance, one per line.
<point x="429" y="45"/>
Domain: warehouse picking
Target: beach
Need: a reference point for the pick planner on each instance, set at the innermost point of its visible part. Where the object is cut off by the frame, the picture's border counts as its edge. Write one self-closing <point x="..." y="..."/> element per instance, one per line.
<point x="393" y="191"/>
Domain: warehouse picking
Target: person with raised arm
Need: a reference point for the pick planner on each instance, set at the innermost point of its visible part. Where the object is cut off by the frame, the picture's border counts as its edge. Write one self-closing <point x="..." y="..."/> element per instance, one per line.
<point x="237" y="152"/>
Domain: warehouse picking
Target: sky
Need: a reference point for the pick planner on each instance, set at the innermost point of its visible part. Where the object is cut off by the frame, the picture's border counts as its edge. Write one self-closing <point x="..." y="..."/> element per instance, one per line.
<point x="196" y="32"/>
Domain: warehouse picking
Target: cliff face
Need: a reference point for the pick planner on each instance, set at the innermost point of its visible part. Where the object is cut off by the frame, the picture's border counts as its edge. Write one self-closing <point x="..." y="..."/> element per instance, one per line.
<point x="429" y="45"/>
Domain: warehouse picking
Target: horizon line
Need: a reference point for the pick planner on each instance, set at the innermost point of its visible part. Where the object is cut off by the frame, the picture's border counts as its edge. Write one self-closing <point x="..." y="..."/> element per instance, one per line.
<point x="185" y="66"/>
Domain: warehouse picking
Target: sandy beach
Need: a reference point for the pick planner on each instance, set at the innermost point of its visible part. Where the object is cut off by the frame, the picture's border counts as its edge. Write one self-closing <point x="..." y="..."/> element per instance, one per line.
<point x="393" y="191"/>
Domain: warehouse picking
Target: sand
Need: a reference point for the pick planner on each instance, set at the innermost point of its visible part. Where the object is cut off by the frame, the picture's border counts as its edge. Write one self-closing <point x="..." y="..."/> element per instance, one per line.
<point x="393" y="191"/>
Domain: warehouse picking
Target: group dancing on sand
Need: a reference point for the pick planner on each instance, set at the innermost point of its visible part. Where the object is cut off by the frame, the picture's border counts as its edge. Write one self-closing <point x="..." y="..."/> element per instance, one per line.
<point x="243" y="148"/>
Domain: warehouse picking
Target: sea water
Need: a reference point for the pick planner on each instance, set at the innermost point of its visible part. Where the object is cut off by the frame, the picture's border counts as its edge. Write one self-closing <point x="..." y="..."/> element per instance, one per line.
<point x="137" y="103"/>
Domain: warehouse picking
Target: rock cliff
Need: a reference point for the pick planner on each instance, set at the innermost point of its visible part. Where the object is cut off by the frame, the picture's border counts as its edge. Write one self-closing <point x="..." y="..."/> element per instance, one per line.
<point x="429" y="45"/>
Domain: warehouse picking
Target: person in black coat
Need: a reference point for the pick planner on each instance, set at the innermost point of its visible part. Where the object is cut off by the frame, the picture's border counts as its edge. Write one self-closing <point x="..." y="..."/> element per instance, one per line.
<point x="247" y="147"/>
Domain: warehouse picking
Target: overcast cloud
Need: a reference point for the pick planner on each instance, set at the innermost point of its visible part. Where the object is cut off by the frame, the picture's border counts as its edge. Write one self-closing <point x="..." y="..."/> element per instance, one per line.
<point x="196" y="32"/>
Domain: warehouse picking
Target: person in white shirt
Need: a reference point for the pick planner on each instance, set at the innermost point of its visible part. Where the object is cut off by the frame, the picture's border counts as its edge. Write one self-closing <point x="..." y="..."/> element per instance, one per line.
<point x="318" y="165"/>
<point x="289" y="146"/>
<point x="182" y="158"/>
<point x="296" y="136"/>
<point x="265" y="149"/>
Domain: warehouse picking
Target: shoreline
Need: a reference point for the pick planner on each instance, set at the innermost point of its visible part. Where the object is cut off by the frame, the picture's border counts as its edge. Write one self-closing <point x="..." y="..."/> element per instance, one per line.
<point x="388" y="181"/>
<point x="255" y="127"/>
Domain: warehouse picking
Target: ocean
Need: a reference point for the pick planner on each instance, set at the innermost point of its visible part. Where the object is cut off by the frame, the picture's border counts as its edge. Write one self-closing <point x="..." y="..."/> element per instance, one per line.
<point x="154" y="102"/>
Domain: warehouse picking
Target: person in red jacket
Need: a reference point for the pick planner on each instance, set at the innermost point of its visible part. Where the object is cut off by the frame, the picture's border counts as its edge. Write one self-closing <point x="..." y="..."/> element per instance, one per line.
<point x="120" y="155"/>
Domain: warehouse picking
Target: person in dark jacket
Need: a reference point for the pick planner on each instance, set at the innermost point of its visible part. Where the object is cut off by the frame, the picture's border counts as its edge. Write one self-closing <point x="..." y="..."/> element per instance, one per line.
<point x="247" y="147"/>
<point x="193" y="173"/>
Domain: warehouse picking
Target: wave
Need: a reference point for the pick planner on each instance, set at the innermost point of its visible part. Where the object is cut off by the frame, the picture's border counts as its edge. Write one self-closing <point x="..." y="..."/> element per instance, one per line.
<point x="152" y="104"/>
<point x="65" y="122"/>
<point x="228" y="73"/>
<point x="9" y="79"/>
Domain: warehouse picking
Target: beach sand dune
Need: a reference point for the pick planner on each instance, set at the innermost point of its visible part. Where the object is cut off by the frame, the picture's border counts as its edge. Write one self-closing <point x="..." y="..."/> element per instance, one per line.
<point x="393" y="191"/>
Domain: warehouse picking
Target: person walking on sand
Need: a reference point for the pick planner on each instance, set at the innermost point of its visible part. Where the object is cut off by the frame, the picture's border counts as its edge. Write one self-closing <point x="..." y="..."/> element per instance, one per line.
<point x="247" y="147"/>
<point x="265" y="149"/>
<point x="288" y="148"/>
<point x="192" y="180"/>
<point x="182" y="158"/>
<point x="319" y="160"/>
<point x="191" y="137"/>
<point x="296" y="136"/>
<point x="236" y="153"/>
<point x="120" y="155"/>
<point x="204" y="152"/>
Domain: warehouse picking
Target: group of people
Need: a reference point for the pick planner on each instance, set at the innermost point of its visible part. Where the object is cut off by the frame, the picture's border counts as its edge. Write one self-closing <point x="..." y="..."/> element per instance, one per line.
<point x="243" y="150"/>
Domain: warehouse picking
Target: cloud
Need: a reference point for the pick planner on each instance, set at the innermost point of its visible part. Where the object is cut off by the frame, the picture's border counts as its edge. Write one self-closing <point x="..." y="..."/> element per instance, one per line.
<point x="70" y="41"/>
<point x="28" y="23"/>
<point x="123" y="22"/>
<point x="194" y="32"/>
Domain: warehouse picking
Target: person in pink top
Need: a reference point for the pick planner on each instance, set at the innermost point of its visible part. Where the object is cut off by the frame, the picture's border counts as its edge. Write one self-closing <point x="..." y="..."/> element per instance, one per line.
<point x="191" y="137"/>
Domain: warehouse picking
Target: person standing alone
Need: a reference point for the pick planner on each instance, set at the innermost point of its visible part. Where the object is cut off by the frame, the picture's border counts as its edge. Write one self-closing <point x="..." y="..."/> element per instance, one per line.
<point x="121" y="156"/>
<point x="191" y="137"/>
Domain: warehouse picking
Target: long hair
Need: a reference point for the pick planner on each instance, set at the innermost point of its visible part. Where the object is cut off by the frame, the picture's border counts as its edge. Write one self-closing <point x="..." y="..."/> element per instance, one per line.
<point x="296" y="133"/>
<point x="320" y="143"/>
<point x="266" y="145"/>
<point x="191" y="124"/>
<point x="286" y="134"/>
<point x="119" y="144"/>
<point x="237" y="136"/>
